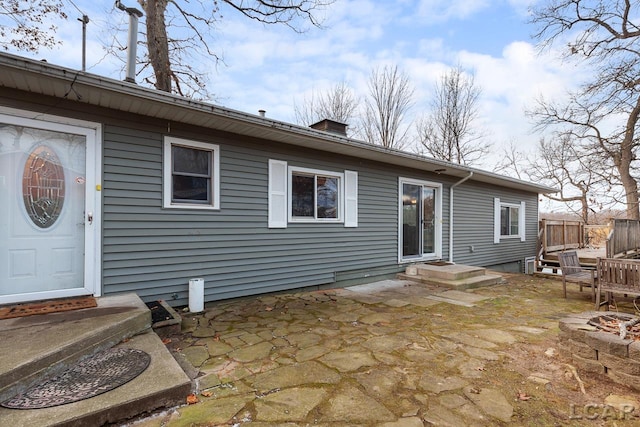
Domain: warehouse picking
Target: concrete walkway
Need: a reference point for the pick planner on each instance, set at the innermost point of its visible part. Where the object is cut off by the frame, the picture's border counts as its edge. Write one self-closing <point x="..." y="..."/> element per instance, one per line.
<point x="390" y="354"/>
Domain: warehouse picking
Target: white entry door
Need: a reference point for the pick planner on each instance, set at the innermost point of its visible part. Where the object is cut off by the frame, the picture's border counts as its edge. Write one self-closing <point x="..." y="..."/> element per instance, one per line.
<point x="47" y="210"/>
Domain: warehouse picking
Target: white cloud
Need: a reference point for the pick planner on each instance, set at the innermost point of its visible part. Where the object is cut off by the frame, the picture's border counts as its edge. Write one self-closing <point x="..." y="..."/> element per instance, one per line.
<point x="522" y="6"/>
<point x="314" y="62"/>
<point x="270" y="67"/>
<point x="443" y="10"/>
<point x="511" y="84"/>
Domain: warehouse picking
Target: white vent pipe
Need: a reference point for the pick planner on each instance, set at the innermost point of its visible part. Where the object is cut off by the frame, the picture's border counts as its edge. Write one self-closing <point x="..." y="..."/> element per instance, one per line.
<point x="132" y="45"/>
<point x="196" y="295"/>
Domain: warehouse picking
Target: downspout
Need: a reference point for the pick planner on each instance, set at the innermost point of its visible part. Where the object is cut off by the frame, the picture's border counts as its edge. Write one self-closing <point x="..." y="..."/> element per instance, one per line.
<point x="451" y="213"/>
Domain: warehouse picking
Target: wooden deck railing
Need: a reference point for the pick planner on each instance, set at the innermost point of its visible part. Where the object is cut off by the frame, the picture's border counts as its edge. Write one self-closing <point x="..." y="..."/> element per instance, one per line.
<point x="624" y="238"/>
<point x="558" y="235"/>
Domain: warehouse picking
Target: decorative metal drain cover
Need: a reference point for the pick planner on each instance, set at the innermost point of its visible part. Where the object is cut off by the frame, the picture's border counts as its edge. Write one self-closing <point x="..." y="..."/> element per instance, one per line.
<point x="90" y="377"/>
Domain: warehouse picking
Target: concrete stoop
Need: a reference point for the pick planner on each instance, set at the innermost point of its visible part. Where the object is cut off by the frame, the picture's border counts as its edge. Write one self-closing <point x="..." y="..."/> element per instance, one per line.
<point x="452" y="276"/>
<point x="163" y="384"/>
<point x="46" y="345"/>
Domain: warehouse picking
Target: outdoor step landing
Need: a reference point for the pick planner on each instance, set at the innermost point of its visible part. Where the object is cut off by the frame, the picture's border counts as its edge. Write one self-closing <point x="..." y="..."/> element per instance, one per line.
<point x="40" y="346"/>
<point x="445" y="271"/>
<point x="460" y="284"/>
<point x="163" y="384"/>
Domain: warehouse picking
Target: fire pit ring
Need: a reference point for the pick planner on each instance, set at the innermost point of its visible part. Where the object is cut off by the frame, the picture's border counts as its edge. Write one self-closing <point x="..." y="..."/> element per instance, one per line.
<point x="593" y="344"/>
<point x="613" y="323"/>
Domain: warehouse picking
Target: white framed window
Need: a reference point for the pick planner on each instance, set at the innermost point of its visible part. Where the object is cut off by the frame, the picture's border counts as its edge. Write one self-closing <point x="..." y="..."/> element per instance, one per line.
<point x="509" y="221"/>
<point x="315" y="195"/>
<point x="191" y="174"/>
<point x="303" y="195"/>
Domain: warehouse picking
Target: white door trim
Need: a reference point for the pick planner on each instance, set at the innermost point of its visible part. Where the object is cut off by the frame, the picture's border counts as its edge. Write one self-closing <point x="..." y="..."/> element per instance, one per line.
<point x="437" y="254"/>
<point x="93" y="202"/>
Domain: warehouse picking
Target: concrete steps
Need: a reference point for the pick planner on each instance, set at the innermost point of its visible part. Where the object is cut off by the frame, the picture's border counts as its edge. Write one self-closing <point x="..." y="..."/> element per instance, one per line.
<point x="452" y="276"/>
<point x="46" y="345"/>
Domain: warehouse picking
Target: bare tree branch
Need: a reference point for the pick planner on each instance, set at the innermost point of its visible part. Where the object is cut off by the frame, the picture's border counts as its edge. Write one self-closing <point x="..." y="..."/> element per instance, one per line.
<point x="561" y="164"/>
<point x="180" y="34"/>
<point x="603" y="115"/>
<point x="339" y="104"/>
<point x="448" y="132"/>
<point x="513" y="161"/>
<point x="385" y="110"/>
<point x="285" y="12"/>
<point x="24" y="24"/>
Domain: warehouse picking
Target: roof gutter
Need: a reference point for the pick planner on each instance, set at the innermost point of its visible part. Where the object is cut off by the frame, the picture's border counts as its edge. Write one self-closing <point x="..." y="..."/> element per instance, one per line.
<point x="51" y="80"/>
<point x="451" y="213"/>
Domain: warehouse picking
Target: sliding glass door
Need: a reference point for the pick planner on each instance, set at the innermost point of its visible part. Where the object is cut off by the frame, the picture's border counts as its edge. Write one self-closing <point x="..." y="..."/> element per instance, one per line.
<point x="420" y="228"/>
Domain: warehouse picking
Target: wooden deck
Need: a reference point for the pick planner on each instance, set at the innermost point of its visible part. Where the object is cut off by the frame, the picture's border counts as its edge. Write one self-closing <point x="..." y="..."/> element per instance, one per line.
<point x="554" y="237"/>
<point x="588" y="256"/>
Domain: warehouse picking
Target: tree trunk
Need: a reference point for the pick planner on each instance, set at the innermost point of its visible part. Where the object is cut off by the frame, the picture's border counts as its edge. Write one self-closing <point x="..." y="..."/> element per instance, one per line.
<point x="585" y="206"/>
<point x="158" y="42"/>
<point x="631" y="191"/>
<point x="623" y="164"/>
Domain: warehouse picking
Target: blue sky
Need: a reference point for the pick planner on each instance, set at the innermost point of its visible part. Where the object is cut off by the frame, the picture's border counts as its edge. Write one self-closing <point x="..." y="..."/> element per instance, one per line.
<point x="272" y="67"/>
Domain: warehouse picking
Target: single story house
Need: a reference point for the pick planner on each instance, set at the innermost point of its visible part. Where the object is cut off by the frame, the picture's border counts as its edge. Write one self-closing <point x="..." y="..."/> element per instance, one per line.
<point x="108" y="187"/>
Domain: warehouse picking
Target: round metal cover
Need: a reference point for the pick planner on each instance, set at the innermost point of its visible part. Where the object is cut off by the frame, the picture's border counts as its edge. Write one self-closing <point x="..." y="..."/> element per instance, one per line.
<point x="90" y="377"/>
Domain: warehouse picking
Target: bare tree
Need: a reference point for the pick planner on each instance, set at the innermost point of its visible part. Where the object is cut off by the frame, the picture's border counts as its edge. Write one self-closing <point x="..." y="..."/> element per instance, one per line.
<point x="449" y="131"/>
<point x="168" y="55"/>
<point x="385" y="110"/>
<point x="25" y="25"/>
<point x="339" y="104"/>
<point x="512" y="162"/>
<point x="177" y="34"/>
<point x="603" y="115"/>
<point x="560" y="163"/>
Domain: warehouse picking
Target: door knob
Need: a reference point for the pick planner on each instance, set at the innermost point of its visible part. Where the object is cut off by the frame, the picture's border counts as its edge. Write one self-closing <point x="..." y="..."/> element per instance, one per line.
<point x="90" y="217"/>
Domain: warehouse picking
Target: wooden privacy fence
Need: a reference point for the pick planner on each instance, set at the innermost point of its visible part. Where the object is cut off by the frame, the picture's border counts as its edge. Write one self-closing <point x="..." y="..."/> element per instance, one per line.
<point x="558" y="235"/>
<point x="624" y="238"/>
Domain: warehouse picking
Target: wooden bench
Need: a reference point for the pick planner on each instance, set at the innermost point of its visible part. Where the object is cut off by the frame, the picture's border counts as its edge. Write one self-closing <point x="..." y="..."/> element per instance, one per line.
<point x="617" y="276"/>
<point x="573" y="272"/>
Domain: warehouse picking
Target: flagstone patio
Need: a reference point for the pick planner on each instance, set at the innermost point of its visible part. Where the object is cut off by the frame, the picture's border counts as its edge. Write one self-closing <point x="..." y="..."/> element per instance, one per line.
<point x="393" y="353"/>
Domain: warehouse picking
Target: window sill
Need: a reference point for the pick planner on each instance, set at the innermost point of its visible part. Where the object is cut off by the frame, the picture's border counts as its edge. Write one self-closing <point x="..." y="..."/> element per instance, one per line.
<point x="191" y="207"/>
<point x="316" y="221"/>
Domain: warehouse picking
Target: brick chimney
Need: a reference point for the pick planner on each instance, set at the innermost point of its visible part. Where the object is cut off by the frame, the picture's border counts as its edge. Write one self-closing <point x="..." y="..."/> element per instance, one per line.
<point x="331" y="126"/>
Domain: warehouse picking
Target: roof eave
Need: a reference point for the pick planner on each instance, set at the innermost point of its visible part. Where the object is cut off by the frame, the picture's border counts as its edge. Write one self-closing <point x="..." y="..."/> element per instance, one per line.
<point x="51" y="80"/>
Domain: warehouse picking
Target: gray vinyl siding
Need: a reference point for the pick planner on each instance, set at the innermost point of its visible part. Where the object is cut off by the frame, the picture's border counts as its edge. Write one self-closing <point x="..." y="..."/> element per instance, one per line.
<point x="474" y="226"/>
<point x="155" y="251"/>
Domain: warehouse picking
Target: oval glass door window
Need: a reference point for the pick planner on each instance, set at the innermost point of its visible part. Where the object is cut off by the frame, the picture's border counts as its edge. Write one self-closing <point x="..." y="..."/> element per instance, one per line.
<point x="43" y="186"/>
